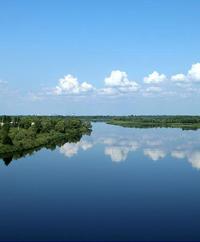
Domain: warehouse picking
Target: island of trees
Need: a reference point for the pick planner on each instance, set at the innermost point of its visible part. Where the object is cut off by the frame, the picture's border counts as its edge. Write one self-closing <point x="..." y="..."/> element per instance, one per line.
<point x="20" y="135"/>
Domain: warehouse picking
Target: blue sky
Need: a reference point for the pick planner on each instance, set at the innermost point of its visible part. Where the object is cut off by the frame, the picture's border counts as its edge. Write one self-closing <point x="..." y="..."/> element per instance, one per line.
<point x="99" y="57"/>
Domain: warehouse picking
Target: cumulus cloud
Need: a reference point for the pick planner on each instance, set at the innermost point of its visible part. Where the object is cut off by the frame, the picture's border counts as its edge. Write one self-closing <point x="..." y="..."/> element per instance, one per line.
<point x="70" y="85"/>
<point x="194" y="72"/>
<point x="154" y="154"/>
<point x="193" y="75"/>
<point x="154" y="78"/>
<point x="118" y="82"/>
<point x="179" y="78"/>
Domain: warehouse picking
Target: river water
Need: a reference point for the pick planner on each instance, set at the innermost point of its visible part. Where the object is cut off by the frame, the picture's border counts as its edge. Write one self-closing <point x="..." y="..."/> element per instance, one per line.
<point x="117" y="184"/>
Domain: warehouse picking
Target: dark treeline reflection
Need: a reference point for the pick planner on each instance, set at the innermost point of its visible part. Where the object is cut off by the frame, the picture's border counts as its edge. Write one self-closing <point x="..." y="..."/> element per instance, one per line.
<point x="8" y="157"/>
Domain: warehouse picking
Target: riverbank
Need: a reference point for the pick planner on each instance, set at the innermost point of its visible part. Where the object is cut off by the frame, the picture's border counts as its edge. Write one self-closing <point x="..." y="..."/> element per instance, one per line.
<point x="182" y="122"/>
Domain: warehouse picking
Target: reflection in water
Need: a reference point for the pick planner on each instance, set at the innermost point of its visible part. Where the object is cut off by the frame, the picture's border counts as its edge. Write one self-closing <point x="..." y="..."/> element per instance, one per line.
<point x="154" y="154"/>
<point x="7" y="158"/>
<point x="194" y="159"/>
<point x="121" y="143"/>
<point x="109" y="178"/>
<point x="119" y="147"/>
<point x="71" y="149"/>
<point x="155" y="144"/>
<point x="178" y="154"/>
<point x="120" y="152"/>
<point x="117" y="154"/>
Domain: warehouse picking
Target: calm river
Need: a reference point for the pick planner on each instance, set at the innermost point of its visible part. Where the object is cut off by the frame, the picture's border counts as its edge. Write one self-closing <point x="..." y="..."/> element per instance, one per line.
<point x="117" y="184"/>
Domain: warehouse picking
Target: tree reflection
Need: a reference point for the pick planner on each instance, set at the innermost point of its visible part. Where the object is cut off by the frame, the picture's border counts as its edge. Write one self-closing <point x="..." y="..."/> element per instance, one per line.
<point x="7" y="160"/>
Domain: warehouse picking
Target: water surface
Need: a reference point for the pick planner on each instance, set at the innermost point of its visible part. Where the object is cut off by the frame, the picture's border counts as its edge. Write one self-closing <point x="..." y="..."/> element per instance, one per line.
<point x="117" y="184"/>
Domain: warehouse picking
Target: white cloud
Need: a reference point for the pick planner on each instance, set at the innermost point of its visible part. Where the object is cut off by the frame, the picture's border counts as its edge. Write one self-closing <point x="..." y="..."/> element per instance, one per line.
<point x="154" y="78"/>
<point x="118" y="82"/>
<point x="154" y="154"/>
<point x="194" y="72"/>
<point x="70" y="85"/>
<point x="193" y="75"/>
<point x="179" y="78"/>
<point x="117" y="78"/>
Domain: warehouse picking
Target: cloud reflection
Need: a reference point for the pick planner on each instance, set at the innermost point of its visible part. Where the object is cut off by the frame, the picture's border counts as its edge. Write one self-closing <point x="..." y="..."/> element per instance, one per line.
<point x="154" y="145"/>
<point x="194" y="159"/>
<point x="71" y="149"/>
<point x="178" y="154"/>
<point x="119" y="153"/>
<point x="154" y="154"/>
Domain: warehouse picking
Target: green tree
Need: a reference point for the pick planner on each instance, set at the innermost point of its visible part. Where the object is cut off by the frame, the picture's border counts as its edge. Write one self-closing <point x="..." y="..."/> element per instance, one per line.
<point x="60" y="126"/>
<point x="6" y="140"/>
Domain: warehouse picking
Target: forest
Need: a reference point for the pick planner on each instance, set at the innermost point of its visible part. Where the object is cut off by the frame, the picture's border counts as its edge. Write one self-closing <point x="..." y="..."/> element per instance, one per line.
<point x="22" y="133"/>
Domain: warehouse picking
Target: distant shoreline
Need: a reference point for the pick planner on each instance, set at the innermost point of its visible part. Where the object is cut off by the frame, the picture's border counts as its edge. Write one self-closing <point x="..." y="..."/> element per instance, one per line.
<point x="182" y="122"/>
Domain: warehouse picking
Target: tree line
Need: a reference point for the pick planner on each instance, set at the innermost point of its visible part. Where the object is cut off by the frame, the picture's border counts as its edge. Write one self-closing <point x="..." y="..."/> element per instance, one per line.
<point x="175" y="121"/>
